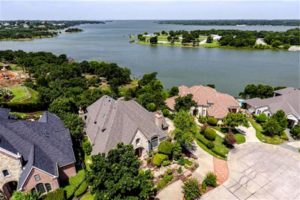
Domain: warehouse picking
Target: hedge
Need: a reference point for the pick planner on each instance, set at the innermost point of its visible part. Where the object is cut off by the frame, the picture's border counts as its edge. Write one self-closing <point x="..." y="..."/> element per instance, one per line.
<point x="78" y="179"/>
<point x="70" y="189"/>
<point x="165" y="147"/>
<point x="23" y="107"/>
<point x="82" y="188"/>
<point x="58" y="194"/>
<point x="212" y="121"/>
<point x="210" y="134"/>
<point x="158" y="159"/>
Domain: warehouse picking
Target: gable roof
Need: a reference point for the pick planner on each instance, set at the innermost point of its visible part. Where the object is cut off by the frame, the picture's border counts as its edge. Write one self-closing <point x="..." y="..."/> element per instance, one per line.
<point x="288" y="102"/>
<point x="218" y="103"/>
<point x="110" y="122"/>
<point x="44" y="144"/>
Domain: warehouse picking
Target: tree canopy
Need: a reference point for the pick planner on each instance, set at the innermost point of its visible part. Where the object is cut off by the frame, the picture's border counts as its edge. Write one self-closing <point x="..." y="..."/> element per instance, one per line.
<point x="117" y="176"/>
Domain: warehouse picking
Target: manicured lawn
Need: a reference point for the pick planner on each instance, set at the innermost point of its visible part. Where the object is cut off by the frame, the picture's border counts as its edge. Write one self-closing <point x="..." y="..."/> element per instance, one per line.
<point x="219" y="150"/>
<point x="202" y="37"/>
<point x="22" y="115"/>
<point x="240" y="138"/>
<point x="23" y="94"/>
<point x="264" y="138"/>
<point x="214" y="44"/>
<point x="162" y="38"/>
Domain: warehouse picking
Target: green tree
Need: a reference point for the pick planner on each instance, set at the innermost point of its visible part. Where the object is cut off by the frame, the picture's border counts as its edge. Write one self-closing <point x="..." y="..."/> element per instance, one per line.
<point x="118" y="176"/>
<point x="191" y="189"/>
<point x="295" y="131"/>
<point x="281" y="118"/>
<point x="62" y="105"/>
<point x="235" y="119"/>
<point x="272" y="127"/>
<point x="185" y="103"/>
<point x="185" y="122"/>
<point x="209" y="39"/>
<point x="173" y="91"/>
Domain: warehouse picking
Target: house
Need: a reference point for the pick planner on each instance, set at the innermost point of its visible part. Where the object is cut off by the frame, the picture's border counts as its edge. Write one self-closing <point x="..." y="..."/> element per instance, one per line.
<point x="35" y="156"/>
<point x="209" y="101"/>
<point x="109" y="122"/>
<point x="287" y="99"/>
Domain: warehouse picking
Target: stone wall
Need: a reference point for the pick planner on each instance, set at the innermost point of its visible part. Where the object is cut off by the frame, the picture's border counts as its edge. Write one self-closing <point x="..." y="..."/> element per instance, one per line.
<point x="12" y="164"/>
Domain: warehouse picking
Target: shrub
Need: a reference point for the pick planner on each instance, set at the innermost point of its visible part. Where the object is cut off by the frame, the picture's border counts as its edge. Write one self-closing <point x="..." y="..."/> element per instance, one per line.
<point x="166" y="112"/>
<point x="166" y="163"/>
<point x="58" y="194"/>
<point x="165" y="147"/>
<point x="202" y="119"/>
<point x="210" y="179"/>
<point x="261" y="118"/>
<point x="295" y="131"/>
<point x="212" y="121"/>
<point x="230" y="139"/>
<point x="164" y="181"/>
<point x="151" y="106"/>
<point x="169" y="171"/>
<point x="82" y="188"/>
<point x="181" y="161"/>
<point x="158" y="159"/>
<point x="191" y="189"/>
<point x="179" y="170"/>
<point x="203" y="187"/>
<point x="177" y="151"/>
<point x="87" y="147"/>
<point x="210" y="134"/>
<point x="78" y="179"/>
<point x="70" y="189"/>
<point x="210" y="145"/>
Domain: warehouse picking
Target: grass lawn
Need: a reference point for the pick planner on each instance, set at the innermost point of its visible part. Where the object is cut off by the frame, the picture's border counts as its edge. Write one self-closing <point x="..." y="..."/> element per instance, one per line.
<point x="219" y="150"/>
<point x="22" y="115"/>
<point x="240" y="138"/>
<point x="202" y="37"/>
<point x="162" y="38"/>
<point x="265" y="138"/>
<point x="87" y="196"/>
<point x="23" y="94"/>
<point x="214" y="44"/>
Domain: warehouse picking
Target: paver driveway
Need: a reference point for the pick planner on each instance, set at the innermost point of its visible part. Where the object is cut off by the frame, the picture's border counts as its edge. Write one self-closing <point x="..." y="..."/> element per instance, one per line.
<point x="260" y="172"/>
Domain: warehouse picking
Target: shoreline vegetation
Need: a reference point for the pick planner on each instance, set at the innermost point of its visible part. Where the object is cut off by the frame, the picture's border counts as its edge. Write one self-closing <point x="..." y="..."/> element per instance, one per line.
<point x="238" y="22"/>
<point x="229" y="39"/>
<point x="28" y="30"/>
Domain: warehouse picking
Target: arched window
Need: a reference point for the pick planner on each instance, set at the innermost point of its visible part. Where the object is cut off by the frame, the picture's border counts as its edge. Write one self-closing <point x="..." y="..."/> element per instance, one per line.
<point x="40" y="188"/>
<point x="137" y="141"/>
<point x="48" y="187"/>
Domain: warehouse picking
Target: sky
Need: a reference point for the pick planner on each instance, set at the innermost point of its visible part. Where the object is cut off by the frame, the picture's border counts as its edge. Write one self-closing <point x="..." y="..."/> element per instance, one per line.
<point x="155" y="9"/>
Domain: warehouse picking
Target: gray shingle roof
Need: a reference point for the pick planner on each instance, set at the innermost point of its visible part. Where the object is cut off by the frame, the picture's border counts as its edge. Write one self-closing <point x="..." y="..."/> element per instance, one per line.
<point x="110" y="122"/>
<point x="289" y="102"/>
<point x="44" y="144"/>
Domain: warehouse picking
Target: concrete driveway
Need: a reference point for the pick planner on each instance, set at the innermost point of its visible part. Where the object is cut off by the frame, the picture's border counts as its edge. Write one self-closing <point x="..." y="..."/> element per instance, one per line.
<point x="260" y="172"/>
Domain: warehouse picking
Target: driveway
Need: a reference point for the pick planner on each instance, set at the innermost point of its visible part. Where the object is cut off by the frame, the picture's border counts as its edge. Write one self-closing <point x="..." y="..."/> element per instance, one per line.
<point x="172" y="191"/>
<point x="250" y="133"/>
<point x="260" y="172"/>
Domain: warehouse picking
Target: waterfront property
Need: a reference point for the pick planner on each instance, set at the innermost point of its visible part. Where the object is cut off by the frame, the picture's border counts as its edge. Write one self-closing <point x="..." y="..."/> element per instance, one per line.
<point x="109" y="122"/>
<point x="35" y="156"/>
<point x="209" y="101"/>
<point x="286" y="99"/>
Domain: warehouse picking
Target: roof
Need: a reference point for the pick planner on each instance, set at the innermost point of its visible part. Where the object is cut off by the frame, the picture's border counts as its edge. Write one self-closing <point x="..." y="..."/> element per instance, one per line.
<point x="288" y="102"/>
<point x="218" y="103"/>
<point x="110" y="122"/>
<point x="285" y="90"/>
<point x="44" y="144"/>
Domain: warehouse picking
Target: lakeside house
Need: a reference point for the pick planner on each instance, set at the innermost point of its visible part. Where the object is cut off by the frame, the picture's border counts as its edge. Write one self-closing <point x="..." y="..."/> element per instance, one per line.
<point x="109" y="122"/>
<point x="35" y="156"/>
<point x="209" y="101"/>
<point x="287" y="99"/>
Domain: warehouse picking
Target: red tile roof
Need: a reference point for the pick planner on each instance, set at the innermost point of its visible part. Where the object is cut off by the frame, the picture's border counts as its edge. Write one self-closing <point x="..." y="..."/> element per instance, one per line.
<point x="218" y="103"/>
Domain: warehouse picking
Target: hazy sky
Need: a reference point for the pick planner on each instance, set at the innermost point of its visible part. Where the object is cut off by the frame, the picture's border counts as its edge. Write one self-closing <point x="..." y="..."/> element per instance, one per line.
<point x="157" y="9"/>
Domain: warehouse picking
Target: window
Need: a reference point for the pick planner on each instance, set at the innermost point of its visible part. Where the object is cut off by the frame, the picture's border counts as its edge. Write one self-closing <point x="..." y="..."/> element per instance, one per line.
<point x="5" y="173"/>
<point x="154" y="142"/>
<point x="48" y="187"/>
<point x="40" y="188"/>
<point x="137" y="141"/>
<point x="37" y="177"/>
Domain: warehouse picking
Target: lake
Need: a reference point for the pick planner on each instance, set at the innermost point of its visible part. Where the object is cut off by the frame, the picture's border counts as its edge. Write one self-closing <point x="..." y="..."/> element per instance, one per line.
<point x="230" y="70"/>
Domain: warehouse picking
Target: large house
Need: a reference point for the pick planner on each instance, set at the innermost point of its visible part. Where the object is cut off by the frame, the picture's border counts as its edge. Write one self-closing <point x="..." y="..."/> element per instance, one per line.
<point x="287" y="99"/>
<point x="35" y="156"/>
<point x="109" y="122"/>
<point x="209" y="101"/>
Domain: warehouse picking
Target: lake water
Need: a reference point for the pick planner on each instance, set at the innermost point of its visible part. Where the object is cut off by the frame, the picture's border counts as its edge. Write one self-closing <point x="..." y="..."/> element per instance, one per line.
<point x="229" y="70"/>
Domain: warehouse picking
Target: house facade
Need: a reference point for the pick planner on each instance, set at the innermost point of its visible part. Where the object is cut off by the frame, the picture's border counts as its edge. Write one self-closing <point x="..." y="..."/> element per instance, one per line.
<point x="209" y="101"/>
<point x="35" y="156"/>
<point x="287" y="99"/>
<point x="109" y="122"/>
